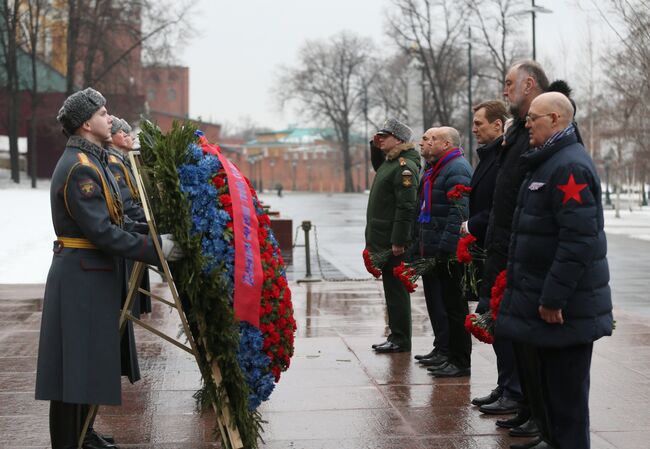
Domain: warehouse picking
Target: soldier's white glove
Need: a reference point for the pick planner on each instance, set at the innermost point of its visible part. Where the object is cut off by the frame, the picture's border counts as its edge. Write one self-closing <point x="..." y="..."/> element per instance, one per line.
<point x="463" y="228"/>
<point x="170" y="248"/>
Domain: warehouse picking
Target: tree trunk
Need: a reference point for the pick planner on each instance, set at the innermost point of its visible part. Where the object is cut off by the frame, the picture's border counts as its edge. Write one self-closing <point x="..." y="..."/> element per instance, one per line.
<point x="347" y="161"/>
<point x="14" y="106"/>
<point x="71" y="44"/>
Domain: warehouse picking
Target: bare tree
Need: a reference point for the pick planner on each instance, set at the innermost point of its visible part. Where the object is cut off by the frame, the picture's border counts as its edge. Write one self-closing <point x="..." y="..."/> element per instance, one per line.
<point x="497" y="24"/>
<point x="10" y="16"/>
<point x="388" y="93"/>
<point x="36" y="11"/>
<point x="433" y="31"/>
<point x="328" y="85"/>
<point x="628" y="67"/>
<point x="243" y="128"/>
<point x="132" y="27"/>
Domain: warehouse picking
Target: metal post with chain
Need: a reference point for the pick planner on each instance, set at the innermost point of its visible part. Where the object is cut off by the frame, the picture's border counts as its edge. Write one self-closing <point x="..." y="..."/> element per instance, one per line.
<point x="320" y="266"/>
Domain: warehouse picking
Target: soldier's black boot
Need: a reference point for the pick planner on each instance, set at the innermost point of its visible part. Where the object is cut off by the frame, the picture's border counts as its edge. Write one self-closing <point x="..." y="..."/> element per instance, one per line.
<point x="91" y="427"/>
<point x="64" y="424"/>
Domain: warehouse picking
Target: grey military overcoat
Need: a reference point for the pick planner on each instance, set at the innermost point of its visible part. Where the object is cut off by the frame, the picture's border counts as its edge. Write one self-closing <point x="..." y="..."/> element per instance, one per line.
<point x="79" y="349"/>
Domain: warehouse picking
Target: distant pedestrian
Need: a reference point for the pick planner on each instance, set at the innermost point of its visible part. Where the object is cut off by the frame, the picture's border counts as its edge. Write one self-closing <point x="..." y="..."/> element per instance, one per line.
<point x="390" y="215"/>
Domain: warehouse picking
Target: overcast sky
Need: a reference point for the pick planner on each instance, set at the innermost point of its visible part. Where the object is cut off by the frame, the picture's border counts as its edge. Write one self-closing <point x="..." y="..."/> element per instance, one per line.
<point x="240" y="45"/>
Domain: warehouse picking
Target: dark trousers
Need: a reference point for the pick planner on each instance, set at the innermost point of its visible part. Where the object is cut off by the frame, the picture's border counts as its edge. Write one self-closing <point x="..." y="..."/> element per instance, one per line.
<point x="557" y="388"/>
<point x="398" y="305"/>
<point x="433" y="294"/>
<point x="508" y="376"/>
<point x="450" y="293"/>
<point x="66" y="422"/>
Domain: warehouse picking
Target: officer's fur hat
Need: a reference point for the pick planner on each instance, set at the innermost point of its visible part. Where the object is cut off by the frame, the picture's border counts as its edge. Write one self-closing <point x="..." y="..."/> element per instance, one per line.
<point x="78" y="108"/>
<point x="126" y="127"/>
<point x="117" y="125"/>
<point x="397" y="129"/>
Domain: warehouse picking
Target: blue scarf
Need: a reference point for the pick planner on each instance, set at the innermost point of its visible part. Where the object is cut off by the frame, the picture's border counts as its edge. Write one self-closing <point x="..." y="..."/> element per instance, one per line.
<point x="571" y="129"/>
<point x="430" y="176"/>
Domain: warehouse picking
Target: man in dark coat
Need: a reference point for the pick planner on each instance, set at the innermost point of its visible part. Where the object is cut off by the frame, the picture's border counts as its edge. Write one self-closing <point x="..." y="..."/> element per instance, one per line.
<point x="390" y="213"/>
<point x="79" y="350"/>
<point x="557" y="301"/>
<point x="437" y="233"/>
<point x="488" y="124"/>
<point x="524" y="81"/>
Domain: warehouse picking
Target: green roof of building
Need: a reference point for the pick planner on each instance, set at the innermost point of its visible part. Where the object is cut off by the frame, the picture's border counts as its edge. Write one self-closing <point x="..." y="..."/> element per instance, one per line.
<point x="48" y="79"/>
<point x="302" y="136"/>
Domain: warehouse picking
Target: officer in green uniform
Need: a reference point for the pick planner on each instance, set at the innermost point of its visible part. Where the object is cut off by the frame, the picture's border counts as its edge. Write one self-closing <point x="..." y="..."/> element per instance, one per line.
<point x="79" y="347"/>
<point x="391" y="211"/>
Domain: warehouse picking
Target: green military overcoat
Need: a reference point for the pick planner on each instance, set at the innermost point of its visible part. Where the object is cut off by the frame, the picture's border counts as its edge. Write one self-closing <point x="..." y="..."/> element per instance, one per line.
<point x="393" y="197"/>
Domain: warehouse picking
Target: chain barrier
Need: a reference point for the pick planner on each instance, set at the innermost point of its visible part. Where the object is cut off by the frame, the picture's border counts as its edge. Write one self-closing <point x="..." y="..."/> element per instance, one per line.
<point x="295" y="240"/>
<point x="320" y="266"/>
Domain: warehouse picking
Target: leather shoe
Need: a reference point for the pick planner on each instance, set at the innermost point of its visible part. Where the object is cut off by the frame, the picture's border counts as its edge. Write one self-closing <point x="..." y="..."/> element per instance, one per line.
<point x="436" y="360"/>
<point x="537" y="443"/>
<point x="515" y="421"/>
<point x="489" y="399"/>
<point x="527" y="429"/>
<point x="502" y="406"/>
<point x="391" y="347"/>
<point x="542" y="445"/>
<point x="94" y="441"/>
<point x="426" y="356"/>
<point x="449" y="370"/>
<point x="376" y="345"/>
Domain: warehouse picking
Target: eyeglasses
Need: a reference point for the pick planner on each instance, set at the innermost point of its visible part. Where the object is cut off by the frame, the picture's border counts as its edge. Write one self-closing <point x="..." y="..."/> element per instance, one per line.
<point x="532" y="117"/>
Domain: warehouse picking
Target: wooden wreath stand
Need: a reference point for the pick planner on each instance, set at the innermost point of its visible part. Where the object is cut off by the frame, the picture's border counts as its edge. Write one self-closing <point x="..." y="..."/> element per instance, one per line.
<point x="227" y="427"/>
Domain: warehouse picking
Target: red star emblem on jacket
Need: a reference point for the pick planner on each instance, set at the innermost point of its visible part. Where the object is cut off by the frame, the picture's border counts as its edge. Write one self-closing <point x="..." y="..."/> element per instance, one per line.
<point x="571" y="190"/>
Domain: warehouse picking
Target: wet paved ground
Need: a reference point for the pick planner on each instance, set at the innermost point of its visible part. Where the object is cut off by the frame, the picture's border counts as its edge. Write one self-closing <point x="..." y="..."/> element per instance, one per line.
<point x="338" y="393"/>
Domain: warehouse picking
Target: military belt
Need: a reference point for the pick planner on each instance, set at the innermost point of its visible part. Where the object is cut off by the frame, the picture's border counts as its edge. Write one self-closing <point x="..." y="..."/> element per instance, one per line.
<point x="72" y="242"/>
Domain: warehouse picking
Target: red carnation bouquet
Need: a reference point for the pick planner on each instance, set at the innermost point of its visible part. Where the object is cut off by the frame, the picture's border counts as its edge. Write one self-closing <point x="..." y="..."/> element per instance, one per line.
<point x="458" y="192"/>
<point x="467" y="252"/>
<point x="482" y="326"/>
<point x="409" y="273"/>
<point x="374" y="262"/>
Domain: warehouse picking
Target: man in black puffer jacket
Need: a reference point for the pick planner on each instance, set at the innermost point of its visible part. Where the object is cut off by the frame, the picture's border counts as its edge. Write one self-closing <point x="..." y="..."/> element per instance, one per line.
<point x="437" y="233"/>
<point x="557" y="301"/>
<point x="524" y="81"/>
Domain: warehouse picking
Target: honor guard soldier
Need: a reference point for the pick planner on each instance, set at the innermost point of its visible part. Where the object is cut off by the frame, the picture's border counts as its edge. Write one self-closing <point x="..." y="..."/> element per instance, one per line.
<point x="79" y="349"/>
<point x="390" y="215"/>
<point x="118" y="161"/>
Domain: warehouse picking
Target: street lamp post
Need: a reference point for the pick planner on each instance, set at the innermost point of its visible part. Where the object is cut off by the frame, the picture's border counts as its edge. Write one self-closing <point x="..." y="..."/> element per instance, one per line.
<point x="608" y="201"/>
<point x="365" y="136"/>
<point x="469" y="94"/>
<point x="534" y="10"/>
<point x="272" y="164"/>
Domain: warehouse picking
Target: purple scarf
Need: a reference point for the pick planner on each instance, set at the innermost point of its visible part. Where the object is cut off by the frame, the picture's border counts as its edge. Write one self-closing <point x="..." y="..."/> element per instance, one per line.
<point x="430" y="176"/>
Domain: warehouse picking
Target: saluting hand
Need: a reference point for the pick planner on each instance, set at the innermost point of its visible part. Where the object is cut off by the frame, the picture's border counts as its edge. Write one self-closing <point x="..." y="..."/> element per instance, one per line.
<point x="551" y="316"/>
